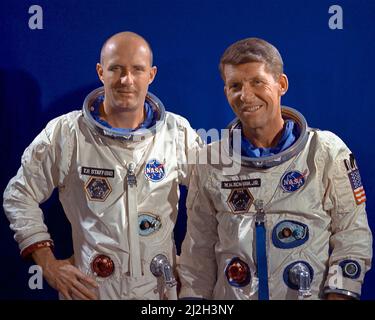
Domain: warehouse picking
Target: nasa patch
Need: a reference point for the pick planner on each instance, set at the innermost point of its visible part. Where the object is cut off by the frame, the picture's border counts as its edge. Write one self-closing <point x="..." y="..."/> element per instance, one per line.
<point x="154" y="170"/>
<point x="292" y="181"/>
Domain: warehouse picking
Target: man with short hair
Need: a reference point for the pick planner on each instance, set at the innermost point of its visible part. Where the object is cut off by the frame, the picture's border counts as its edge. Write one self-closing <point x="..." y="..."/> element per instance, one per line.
<point x="117" y="165"/>
<point x="291" y="224"/>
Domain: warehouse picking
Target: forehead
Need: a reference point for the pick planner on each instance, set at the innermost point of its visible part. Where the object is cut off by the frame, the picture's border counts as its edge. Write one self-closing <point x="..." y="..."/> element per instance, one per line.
<point x="127" y="53"/>
<point x="245" y="70"/>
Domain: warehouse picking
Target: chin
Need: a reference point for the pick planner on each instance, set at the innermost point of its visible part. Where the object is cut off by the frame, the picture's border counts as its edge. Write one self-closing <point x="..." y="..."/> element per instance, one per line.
<point x="253" y="124"/>
<point x="128" y="107"/>
<point x="121" y="105"/>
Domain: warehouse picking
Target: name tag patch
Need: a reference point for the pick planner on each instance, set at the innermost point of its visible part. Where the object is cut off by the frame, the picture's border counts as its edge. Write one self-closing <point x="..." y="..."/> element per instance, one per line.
<point x="98" y="172"/>
<point x="249" y="183"/>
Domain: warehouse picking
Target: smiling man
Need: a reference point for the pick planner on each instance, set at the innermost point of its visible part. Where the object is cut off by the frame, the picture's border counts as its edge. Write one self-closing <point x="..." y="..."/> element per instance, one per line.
<point x="254" y="94"/>
<point x="117" y="165"/>
<point x="292" y="223"/>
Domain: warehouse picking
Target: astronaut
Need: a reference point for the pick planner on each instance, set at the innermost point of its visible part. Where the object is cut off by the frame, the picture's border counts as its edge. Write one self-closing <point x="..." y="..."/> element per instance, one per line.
<point x="117" y="165"/>
<point x="290" y="223"/>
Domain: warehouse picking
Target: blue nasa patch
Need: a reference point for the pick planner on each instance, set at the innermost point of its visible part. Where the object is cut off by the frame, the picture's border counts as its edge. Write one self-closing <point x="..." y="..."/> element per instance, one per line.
<point x="154" y="170"/>
<point x="292" y="181"/>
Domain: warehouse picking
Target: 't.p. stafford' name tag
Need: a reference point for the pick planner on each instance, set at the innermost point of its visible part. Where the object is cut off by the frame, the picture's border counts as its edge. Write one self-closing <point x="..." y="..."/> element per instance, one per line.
<point x="97" y="172"/>
<point x="250" y="183"/>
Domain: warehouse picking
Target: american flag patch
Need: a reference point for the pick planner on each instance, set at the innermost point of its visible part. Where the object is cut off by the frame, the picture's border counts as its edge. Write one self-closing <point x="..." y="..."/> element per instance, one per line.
<point x="355" y="180"/>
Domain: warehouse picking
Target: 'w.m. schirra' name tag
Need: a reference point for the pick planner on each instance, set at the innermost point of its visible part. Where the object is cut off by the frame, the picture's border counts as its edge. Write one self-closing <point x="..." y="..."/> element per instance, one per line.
<point x="250" y="183"/>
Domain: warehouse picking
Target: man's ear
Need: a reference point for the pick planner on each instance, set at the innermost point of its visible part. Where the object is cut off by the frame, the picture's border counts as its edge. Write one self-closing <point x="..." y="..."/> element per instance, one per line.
<point x="283" y="84"/>
<point x="153" y="72"/>
<point x="99" y="71"/>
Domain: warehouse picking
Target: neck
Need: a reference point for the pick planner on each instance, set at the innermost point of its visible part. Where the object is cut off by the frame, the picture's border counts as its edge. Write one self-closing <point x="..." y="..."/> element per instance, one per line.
<point x="265" y="137"/>
<point x="125" y="119"/>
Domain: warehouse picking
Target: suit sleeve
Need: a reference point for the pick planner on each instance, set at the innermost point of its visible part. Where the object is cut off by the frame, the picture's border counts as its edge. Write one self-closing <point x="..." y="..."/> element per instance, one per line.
<point x="44" y="166"/>
<point x="198" y="267"/>
<point x="351" y="240"/>
<point x="188" y="145"/>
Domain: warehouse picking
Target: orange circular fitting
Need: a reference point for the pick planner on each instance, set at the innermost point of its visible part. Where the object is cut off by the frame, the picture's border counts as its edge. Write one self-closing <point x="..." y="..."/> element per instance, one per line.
<point x="103" y="266"/>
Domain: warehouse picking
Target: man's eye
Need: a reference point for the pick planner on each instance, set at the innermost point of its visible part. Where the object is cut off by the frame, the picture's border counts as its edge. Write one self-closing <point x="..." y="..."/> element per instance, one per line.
<point x="234" y="86"/>
<point x="114" y="68"/>
<point x="139" y="69"/>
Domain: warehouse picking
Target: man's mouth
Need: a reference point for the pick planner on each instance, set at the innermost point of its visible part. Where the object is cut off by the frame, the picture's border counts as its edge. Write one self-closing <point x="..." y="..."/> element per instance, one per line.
<point x="123" y="91"/>
<point x="251" y="108"/>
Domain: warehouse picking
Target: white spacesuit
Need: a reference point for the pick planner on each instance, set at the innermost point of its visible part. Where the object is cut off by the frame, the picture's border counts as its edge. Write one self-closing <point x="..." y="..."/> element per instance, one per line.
<point x="293" y="224"/>
<point x="119" y="191"/>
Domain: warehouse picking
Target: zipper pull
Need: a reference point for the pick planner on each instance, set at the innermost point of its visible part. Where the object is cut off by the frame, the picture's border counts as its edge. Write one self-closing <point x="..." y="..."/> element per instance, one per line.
<point x="260" y="216"/>
<point x="130" y="176"/>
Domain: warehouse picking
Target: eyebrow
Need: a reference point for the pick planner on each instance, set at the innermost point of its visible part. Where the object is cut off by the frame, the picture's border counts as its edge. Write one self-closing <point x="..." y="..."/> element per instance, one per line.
<point x="114" y="65"/>
<point x="121" y="66"/>
<point x="256" y="77"/>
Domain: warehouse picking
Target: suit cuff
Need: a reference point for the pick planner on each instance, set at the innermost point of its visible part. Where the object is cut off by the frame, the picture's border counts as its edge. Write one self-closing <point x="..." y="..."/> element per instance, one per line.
<point x="343" y="292"/>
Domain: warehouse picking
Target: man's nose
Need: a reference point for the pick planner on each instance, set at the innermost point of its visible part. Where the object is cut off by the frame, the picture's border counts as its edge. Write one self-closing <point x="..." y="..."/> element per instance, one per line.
<point x="247" y="94"/>
<point x="127" y="78"/>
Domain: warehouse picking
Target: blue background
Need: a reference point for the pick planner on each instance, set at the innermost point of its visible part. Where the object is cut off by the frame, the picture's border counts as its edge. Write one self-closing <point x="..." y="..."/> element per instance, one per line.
<point x="45" y="73"/>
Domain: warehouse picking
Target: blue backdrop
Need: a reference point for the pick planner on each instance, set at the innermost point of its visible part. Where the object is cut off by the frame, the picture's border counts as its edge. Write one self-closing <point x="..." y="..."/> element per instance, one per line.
<point x="48" y="72"/>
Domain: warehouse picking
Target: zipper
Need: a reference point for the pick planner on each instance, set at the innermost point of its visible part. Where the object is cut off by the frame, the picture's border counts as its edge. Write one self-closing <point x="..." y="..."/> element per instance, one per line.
<point x="260" y="215"/>
<point x="130" y="175"/>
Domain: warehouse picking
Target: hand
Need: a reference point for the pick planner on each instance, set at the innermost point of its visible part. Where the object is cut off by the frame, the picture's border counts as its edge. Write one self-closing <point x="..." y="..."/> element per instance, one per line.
<point x="337" y="296"/>
<point x="63" y="276"/>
